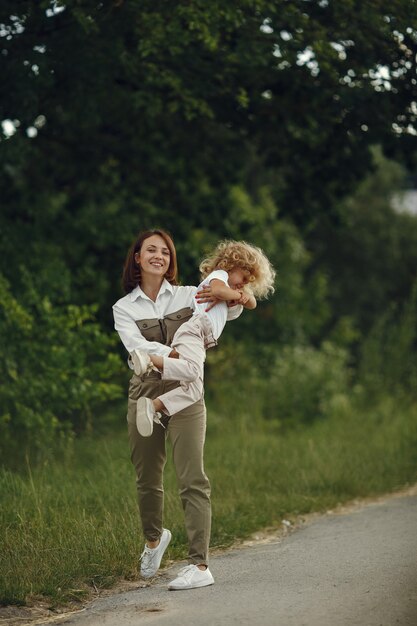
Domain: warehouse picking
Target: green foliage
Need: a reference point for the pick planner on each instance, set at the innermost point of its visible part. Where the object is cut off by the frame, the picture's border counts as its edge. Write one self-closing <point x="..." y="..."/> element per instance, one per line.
<point x="370" y="259"/>
<point x="305" y="384"/>
<point x="388" y="363"/>
<point x="148" y="113"/>
<point x="291" y="386"/>
<point x="212" y="120"/>
<point x="57" y="369"/>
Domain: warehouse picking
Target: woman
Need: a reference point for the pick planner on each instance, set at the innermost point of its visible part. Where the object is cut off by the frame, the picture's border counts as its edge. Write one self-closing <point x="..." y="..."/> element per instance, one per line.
<point x="146" y="318"/>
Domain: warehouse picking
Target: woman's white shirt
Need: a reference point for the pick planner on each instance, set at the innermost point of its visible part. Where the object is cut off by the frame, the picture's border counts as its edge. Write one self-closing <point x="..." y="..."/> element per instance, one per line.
<point x="136" y="306"/>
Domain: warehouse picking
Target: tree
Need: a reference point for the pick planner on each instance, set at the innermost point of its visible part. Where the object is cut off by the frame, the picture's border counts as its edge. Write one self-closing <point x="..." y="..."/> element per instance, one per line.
<point x="370" y="259"/>
<point x="211" y="119"/>
<point x="148" y="112"/>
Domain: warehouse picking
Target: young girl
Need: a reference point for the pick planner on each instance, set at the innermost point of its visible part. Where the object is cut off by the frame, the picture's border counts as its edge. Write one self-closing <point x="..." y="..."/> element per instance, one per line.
<point x="235" y="273"/>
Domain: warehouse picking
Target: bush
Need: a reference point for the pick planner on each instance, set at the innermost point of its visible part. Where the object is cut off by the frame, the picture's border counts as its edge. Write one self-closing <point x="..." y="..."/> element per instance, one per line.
<point x="306" y="383"/>
<point x="388" y="360"/>
<point x="56" y="368"/>
<point x="291" y="385"/>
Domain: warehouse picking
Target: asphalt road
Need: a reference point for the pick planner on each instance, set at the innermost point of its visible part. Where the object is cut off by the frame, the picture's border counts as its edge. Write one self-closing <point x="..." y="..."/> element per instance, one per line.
<point x="354" y="569"/>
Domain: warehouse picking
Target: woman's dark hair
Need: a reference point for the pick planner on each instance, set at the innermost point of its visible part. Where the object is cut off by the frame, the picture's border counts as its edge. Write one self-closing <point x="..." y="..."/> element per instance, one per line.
<point x="131" y="271"/>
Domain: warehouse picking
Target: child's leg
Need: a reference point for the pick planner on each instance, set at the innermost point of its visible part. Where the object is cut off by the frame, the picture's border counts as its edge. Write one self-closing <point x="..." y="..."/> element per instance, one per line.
<point x="181" y="397"/>
<point x="149" y="411"/>
<point x="188" y="342"/>
<point x="183" y="369"/>
<point x="189" y="368"/>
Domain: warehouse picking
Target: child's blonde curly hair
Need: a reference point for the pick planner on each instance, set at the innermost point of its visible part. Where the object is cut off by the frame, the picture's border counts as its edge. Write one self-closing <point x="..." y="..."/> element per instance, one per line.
<point x="229" y="255"/>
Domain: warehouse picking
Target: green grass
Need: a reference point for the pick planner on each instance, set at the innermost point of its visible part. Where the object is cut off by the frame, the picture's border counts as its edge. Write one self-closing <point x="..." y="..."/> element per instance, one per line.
<point x="70" y="525"/>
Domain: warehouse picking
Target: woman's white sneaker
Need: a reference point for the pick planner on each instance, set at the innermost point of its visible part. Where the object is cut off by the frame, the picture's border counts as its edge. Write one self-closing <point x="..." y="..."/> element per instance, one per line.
<point x="151" y="557"/>
<point x="191" y="577"/>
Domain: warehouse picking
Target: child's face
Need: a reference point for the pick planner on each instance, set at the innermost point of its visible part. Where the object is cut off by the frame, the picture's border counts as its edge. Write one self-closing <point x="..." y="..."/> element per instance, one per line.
<point x="238" y="278"/>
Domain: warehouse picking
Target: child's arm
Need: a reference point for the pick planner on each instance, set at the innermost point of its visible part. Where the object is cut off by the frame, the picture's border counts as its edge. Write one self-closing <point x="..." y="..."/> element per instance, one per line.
<point x="218" y="289"/>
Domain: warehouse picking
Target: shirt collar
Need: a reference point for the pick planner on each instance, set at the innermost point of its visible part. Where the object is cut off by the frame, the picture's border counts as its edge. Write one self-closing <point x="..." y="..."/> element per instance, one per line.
<point x="138" y="293"/>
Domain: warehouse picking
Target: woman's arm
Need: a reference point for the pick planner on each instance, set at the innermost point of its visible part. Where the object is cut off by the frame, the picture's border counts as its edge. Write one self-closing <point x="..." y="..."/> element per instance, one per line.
<point x="219" y="290"/>
<point x="131" y="336"/>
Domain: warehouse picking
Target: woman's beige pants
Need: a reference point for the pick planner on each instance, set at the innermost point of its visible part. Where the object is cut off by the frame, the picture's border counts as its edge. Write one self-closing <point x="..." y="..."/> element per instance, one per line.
<point x="148" y="454"/>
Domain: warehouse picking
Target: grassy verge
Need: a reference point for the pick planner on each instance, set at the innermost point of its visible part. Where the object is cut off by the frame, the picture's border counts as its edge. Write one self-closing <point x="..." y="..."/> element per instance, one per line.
<point x="70" y="525"/>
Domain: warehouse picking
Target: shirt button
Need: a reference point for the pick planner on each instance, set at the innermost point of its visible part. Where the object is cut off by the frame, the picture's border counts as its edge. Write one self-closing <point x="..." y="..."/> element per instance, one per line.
<point x="178" y="317"/>
<point x="145" y="326"/>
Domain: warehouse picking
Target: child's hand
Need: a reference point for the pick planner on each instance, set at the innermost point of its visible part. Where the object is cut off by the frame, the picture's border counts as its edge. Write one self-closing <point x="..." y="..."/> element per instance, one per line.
<point x="244" y="298"/>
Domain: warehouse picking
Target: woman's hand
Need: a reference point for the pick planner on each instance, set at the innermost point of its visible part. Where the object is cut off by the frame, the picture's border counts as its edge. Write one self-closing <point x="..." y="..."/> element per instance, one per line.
<point x="205" y="295"/>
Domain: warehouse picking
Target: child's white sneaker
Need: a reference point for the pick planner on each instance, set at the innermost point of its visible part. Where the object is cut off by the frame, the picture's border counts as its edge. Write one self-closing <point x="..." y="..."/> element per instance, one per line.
<point x="146" y="416"/>
<point x="141" y="362"/>
<point x="191" y="577"/>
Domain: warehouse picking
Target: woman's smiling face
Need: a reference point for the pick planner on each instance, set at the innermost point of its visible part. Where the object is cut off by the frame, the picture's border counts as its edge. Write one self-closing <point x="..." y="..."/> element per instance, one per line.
<point x="154" y="257"/>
